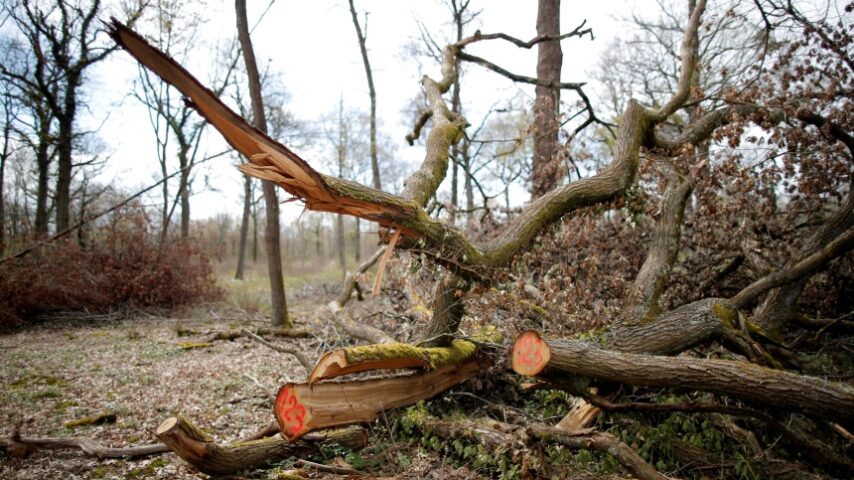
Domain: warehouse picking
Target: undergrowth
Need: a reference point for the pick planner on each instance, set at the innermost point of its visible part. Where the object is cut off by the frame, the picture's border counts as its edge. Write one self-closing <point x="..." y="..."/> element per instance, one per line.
<point x="123" y="263"/>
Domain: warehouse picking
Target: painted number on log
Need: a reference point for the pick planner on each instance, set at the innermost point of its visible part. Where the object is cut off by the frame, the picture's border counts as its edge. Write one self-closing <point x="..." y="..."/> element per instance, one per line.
<point x="528" y="351"/>
<point x="291" y="412"/>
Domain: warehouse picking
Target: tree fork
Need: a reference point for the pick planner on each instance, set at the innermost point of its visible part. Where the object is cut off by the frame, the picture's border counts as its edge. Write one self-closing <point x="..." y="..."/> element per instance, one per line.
<point x="532" y="355"/>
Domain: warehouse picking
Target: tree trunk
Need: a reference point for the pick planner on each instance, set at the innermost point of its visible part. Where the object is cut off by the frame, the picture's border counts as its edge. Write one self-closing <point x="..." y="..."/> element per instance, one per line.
<point x="4" y="155"/>
<point x="184" y="190"/>
<point x="362" y="37"/>
<point x="341" y="241"/>
<point x="244" y="227"/>
<point x="63" y="173"/>
<point x="357" y="241"/>
<point x="271" y="201"/>
<point x="43" y="165"/>
<point x="546" y="127"/>
<point x="532" y="355"/>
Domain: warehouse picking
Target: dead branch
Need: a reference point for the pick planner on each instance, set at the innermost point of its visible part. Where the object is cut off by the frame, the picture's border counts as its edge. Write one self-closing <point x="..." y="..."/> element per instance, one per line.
<point x="497" y="436"/>
<point x="841" y="244"/>
<point x="820" y="451"/>
<point x="579" y="31"/>
<point x="276" y="332"/>
<point x="23" y="446"/>
<point x="361" y="331"/>
<point x="329" y="468"/>
<point x="518" y="78"/>
<point x="289" y="350"/>
<point x="198" y="448"/>
<point x="351" y="281"/>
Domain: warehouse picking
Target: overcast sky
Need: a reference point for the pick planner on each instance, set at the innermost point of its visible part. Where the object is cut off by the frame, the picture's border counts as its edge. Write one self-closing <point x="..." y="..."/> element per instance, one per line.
<point x="312" y="44"/>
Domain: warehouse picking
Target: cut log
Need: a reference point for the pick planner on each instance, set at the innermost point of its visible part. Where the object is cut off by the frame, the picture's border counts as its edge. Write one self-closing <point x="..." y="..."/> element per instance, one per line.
<point x="302" y="408"/>
<point x="532" y="355"/>
<point x="198" y="448"/>
<point x="389" y="356"/>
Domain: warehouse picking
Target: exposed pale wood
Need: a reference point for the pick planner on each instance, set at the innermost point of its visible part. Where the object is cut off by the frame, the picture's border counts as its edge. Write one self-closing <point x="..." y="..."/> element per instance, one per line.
<point x="198" y="448"/>
<point x="581" y="414"/>
<point x="301" y="408"/>
<point x="23" y="446"/>
<point x="530" y="354"/>
<point x="378" y="280"/>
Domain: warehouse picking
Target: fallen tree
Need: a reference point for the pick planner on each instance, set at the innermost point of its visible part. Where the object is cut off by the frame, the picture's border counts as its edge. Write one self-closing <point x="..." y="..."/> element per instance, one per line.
<point x="532" y="355"/>
<point x="643" y="329"/>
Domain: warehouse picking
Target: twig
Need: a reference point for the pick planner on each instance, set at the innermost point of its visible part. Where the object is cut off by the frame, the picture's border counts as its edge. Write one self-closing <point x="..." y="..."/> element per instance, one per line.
<point x="329" y="468"/>
<point x="381" y="268"/>
<point x="293" y="351"/>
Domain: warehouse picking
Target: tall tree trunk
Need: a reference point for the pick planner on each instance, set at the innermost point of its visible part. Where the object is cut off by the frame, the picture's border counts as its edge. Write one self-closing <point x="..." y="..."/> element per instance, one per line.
<point x="546" y="126"/>
<point x="7" y="131"/>
<point x="363" y="37"/>
<point x="63" y="178"/>
<point x="357" y="242"/>
<point x="244" y="227"/>
<point x="254" y="228"/>
<point x="271" y="201"/>
<point x="43" y="165"/>
<point x="342" y="244"/>
<point x="184" y="192"/>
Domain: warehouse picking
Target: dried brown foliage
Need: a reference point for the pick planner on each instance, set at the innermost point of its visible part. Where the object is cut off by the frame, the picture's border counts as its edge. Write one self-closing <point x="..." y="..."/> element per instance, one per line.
<point x="124" y="264"/>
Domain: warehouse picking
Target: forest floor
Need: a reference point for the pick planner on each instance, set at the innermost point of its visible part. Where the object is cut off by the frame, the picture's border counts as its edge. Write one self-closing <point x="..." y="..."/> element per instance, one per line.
<point x="144" y="367"/>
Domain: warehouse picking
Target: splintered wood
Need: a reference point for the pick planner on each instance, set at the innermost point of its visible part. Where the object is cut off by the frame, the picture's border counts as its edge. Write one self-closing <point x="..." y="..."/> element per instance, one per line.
<point x="531" y="354"/>
<point x="301" y="408"/>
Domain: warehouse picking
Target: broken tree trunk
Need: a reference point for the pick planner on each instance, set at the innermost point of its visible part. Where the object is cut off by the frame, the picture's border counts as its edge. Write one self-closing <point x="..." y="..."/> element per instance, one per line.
<point x="302" y="408"/>
<point x="391" y="356"/>
<point x="198" y="448"/>
<point x="533" y="356"/>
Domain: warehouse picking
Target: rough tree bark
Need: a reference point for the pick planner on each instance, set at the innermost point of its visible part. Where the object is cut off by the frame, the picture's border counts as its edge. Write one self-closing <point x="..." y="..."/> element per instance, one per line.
<point x="244" y="228"/>
<point x="546" y="164"/>
<point x="532" y="355"/>
<point x="271" y="201"/>
<point x="198" y="448"/>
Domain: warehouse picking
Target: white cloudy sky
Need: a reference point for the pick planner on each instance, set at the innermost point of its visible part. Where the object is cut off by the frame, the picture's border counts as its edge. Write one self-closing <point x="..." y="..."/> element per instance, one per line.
<point x="313" y="45"/>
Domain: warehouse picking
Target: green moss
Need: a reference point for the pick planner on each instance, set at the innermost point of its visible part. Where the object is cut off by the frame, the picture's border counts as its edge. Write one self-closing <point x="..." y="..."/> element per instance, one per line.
<point x="728" y="315"/>
<point x="48" y="393"/>
<point x="459" y="350"/>
<point x="100" y="419"/>
<point x="63" y="405"/>
<point x="148" y="470"/>
<point x="192" y="345"/>
<point x="35" y="380"/>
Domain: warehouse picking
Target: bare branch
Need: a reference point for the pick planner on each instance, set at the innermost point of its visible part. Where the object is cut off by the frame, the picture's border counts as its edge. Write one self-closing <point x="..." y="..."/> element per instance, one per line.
<point x="807" y="266"/>
<point x="686" y="70"/>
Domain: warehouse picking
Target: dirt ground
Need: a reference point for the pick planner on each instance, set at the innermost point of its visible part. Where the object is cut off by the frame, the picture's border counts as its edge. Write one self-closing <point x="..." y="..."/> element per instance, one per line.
<point x="138" y="366"/>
